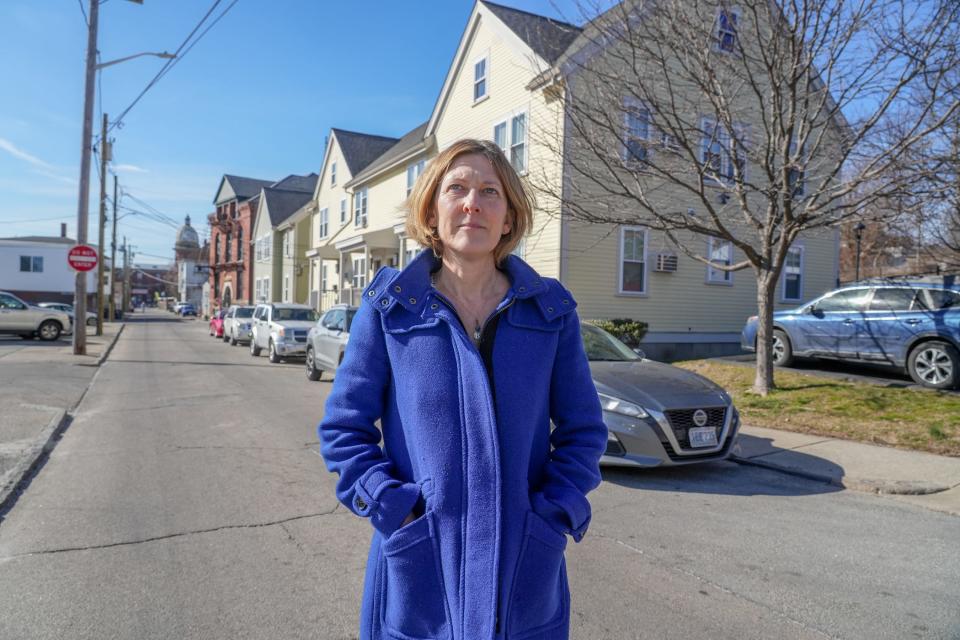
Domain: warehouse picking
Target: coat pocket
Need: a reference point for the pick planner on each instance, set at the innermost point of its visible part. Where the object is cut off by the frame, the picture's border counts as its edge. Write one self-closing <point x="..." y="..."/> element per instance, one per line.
<point x="414" y="604"/>
<point x="540" y="598"/>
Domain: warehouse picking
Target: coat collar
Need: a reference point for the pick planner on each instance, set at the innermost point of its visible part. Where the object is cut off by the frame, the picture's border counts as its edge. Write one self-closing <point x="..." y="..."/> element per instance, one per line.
<point x="411" y="287"/>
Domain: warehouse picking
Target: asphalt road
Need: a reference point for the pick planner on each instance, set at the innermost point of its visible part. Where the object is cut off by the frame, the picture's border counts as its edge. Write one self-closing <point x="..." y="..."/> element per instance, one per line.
<point x="187" y="500"/>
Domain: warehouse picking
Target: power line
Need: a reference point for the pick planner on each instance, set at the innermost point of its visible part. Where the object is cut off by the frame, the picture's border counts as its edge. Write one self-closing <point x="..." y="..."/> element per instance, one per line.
<point x="35" y="220"/>
<point x="178" y="55"/>
<point x="86" y="21"/>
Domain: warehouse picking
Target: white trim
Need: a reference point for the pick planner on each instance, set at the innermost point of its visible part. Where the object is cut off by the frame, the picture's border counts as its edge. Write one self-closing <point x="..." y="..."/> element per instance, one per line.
<point x="485" y="79"/>
<point x="360" y="208"/>
<point x="324" y="223"/>
<point x="715" y="32"/>
<point x="507" y="122"/>
<point x="620" y="260"/>
<point x="417" y="168"/>
<point x="803" y="276"/>
<point x="344" y="211"/>
<point x="717" y="276"/>
<point x="333" y="173"/>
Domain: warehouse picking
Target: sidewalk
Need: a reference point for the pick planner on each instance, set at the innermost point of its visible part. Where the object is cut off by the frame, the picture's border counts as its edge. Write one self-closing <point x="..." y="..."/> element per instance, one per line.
<point x="40" y="384"/>
<point x="923" y="479"/>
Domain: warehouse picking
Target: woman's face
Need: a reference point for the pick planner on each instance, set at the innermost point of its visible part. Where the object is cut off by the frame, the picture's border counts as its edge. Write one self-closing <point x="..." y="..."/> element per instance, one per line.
<point x="470" y="211"/>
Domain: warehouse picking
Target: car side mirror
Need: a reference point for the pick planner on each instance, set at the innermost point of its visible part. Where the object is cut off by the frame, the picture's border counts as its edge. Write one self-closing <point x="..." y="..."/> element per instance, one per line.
<point x="640" y="352"/>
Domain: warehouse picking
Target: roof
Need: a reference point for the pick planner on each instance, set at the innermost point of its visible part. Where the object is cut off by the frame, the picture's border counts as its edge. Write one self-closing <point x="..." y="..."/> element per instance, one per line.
<point x="548" y="38"/>
<point x="297" y="183"/>
<point x="360" y="149"/>
<point x="48" y="239"/>
<point x="407" y="143"/>
<point x="282" y="203"/>
<point x="246" y="187"/>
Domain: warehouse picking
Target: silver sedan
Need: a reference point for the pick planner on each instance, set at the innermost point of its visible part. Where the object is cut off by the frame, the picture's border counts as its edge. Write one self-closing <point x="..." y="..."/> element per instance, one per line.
<point x="327" y="340"/>
<point x="656" y="414"/>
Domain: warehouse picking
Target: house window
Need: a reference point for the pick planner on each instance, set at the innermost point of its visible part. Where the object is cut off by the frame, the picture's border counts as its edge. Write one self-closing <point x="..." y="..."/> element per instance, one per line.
<point x="520" y="248"/>
<point x="500" y="135"/>
<point x="359" y="273"/>
<point x="228" y="246"/>
<point x="360" y="208"/>
<point x="287" y="249"/>
<point x="480" y="79"/>
<point x="286" y="288"/>
<point x="343" y="210"/>
<point x="239" y="252"/>
<point x="323" y="277"/>
<point x="256" y="290"/>
<point x="518" y="142"/>
<point x="216" y="249"/>
<point x="31" y="263"/>
<point x="637" y="133"/>
<point x="333" y="174"/>
<point x="720" y="252"/>
<point x="723" y="155"/>
<point x="239" y="279"/>
<point x="633" y="260"/>
<point x="726" y="34"/>
<point x="792" y="285"/>
<point x="324" y="222"/>
<point x="413" y="172"/>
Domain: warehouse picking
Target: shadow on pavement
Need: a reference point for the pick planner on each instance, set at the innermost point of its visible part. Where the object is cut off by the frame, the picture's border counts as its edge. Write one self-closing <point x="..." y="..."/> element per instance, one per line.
<point x="736" y="479"/>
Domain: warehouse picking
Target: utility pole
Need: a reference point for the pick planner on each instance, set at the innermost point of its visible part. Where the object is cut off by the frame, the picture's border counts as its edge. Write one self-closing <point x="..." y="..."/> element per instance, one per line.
<point x="113" y="256"/>
<point x="105" y="153"/>
<point x="126" y="273"/>
<point x="83" y="206"/>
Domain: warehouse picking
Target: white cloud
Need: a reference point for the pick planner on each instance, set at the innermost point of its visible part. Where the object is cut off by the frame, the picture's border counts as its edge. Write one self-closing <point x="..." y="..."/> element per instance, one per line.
<point x="12" y="149"/>
<point x="129" y="168"/>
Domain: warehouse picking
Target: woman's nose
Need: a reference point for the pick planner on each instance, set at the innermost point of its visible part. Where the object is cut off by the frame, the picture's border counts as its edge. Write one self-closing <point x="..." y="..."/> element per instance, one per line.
<point x="471" y="201"/>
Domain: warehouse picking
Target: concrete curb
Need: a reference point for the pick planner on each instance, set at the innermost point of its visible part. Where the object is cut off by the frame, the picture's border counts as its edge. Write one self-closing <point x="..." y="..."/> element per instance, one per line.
<point x="31" y="458"/>
<point x="106" y="352"/>
<point x="880" y="487"/>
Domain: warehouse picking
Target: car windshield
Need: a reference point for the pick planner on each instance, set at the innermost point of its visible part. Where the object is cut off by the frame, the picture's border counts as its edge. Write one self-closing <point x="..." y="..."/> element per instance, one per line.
<point x="244" y="312"/>
<point x="307" y="315"/>
<point x="601" y="346"/>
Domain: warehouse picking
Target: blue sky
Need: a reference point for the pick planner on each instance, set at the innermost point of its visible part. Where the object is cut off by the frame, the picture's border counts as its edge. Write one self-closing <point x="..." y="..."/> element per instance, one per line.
<point x="255" y="97"/>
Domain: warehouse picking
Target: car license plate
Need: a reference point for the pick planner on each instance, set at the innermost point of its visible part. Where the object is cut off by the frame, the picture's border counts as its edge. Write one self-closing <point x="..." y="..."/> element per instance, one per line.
<point x="703" y="437"/>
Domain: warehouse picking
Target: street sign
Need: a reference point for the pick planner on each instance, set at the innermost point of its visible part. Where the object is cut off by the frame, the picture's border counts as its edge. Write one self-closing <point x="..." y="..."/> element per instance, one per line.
<point x="82" y="257"/>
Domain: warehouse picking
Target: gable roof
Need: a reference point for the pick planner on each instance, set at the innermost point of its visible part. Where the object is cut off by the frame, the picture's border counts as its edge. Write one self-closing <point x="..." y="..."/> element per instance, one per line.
<point x="409" y="143"/>
<point x="294" y="182"/>
<point x="243" y="188"/>
<point x="282" y="203"/>
<point x="360" y="149"/>
<point x="547" y="37"/>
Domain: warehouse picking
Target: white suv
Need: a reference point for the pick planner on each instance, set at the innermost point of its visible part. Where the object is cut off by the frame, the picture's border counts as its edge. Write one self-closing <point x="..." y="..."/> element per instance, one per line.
<point x="16" y="316"/>
<point x="281" y="329"/>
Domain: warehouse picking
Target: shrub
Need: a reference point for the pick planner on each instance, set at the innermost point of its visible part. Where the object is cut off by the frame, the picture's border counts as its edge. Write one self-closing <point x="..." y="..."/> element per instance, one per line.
<point x="631" y="332"/>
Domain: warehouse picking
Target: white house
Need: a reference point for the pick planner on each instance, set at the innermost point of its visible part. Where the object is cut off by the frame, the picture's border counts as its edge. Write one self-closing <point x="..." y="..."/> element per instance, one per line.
<point x="35" y="269"/>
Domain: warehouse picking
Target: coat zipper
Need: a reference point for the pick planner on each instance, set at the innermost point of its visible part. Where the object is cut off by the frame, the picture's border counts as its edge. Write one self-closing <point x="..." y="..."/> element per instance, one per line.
<point x="497" y="312"/>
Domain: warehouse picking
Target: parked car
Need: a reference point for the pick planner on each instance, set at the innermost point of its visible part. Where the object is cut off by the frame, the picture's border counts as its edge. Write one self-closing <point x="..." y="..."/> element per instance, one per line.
<point x="27" y="321"/>
<point x="914" y="327"/>
<point x="187" y="309"/>
<point x="216" y="323"/>
<point x="327" y="340"/>
<point x="68" y="309"/>
<point x="237" y="324"/>
<point x="281" y="329"/>
<point x="656" y="414"/>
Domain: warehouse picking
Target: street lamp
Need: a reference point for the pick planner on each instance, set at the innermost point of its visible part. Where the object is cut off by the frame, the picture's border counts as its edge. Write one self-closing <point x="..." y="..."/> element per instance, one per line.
<point x="165" y="55"/>
<point x="858" y="232"/>
<point x="83" y="206"/>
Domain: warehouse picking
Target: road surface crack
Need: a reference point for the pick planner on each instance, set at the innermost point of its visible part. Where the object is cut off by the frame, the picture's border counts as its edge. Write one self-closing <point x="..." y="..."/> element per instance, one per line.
<point x="182" y="534"/>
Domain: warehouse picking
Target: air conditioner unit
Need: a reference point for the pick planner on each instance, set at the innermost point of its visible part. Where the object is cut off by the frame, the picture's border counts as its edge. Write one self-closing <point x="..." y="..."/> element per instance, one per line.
<point x="666" y="263"/>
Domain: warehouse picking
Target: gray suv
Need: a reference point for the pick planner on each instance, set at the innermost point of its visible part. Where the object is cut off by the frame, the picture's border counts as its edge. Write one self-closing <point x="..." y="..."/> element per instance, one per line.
<point x="327" y="340"/>
<point x="27" y="321"/>
<point x="281" y="328"/>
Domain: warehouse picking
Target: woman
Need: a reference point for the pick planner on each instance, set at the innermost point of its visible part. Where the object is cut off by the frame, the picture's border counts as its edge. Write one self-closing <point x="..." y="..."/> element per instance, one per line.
<point x="465" y="357"/>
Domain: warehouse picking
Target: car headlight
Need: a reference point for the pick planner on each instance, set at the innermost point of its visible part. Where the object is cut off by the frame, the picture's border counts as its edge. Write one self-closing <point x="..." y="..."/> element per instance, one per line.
<point x="280" y="332"/>
<point x="616" y="405"/>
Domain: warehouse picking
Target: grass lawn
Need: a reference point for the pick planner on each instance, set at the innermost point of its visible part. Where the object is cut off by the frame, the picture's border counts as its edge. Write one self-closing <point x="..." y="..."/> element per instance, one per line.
<point x="919" y="419"/>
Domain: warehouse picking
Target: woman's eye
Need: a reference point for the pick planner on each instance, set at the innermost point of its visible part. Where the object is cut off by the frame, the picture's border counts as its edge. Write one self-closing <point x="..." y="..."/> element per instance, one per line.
<point x="491" y="191"/>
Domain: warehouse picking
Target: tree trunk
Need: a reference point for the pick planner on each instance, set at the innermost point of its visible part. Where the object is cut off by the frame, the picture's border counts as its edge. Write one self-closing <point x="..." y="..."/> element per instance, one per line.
<point x="766" y="286"/>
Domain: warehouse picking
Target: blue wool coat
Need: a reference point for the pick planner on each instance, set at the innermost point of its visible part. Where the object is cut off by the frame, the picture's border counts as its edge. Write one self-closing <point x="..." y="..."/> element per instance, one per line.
<point x="498" y="490"/>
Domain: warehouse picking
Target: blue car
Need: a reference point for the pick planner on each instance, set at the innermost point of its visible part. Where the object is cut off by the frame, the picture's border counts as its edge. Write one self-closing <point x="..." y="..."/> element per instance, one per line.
<point x="912" y="326"/>
<point x="188" y="310"/>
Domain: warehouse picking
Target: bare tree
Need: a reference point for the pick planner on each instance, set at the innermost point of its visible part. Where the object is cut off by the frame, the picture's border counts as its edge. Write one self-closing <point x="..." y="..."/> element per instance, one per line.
<point x="771" y="118"/>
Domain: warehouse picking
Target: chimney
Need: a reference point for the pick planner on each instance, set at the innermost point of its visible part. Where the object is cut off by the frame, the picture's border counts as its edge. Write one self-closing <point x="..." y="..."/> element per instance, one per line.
<point x="63" y="229"/>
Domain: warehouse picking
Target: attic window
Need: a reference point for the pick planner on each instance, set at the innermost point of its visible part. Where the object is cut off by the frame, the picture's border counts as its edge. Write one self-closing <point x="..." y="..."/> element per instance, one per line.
<point x="480" y="79"/>
<point x="333" y="174"/>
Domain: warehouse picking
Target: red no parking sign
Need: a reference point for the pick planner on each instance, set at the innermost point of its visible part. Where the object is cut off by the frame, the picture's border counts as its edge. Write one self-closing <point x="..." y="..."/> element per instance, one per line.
<point x="82" y="257"/>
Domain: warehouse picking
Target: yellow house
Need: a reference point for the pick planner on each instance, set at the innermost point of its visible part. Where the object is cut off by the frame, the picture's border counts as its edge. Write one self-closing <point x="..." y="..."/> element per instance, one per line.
<point x="499" y="87"/>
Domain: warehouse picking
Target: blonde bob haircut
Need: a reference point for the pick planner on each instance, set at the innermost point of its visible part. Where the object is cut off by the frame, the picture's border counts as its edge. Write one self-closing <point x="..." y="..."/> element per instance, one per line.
<point x="422" y="201"/>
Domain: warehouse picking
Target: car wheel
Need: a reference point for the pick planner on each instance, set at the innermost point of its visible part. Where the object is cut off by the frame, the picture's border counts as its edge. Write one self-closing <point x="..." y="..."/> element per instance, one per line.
<point x="782" y="349"/>
<point x="50" y="330"/>
<point x="91" y="322"/>
<point x="225" y="337"/>
<point x="272" y="351"/>
<point x="935" y="365"/>
<point x="312" y="372"/>
<point x="233" y="340"/>
<point x="254" y="349"/>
